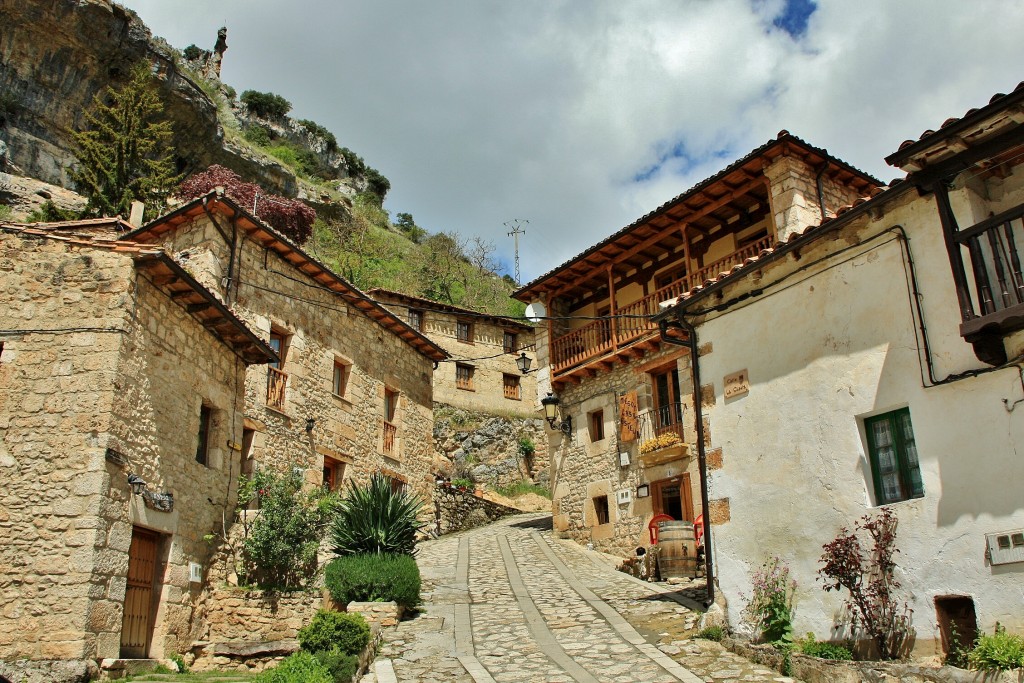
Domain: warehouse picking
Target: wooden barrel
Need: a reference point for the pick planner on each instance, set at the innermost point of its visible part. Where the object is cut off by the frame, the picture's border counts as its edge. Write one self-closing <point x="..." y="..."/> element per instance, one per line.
<point x="677" y="550"/>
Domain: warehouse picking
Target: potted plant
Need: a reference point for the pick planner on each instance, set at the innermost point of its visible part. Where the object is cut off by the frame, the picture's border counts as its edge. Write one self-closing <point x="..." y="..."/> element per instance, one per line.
<point x="662" y="448"/>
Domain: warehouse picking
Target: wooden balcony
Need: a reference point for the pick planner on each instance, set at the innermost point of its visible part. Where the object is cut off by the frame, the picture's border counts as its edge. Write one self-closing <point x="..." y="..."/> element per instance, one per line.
<point x="390" y="431"/>
<point x="277" y="383"/>
<point x="632" y="322"/>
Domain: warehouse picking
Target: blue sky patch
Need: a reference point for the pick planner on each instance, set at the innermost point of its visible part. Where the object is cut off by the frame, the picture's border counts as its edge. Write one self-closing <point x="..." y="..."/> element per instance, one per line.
<point x="679" y="160"/>
<point x="794" y="17"/>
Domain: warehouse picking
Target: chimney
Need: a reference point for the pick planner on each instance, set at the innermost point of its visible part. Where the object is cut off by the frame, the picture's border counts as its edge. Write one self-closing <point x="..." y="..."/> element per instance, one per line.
<point x="135" y="217"/>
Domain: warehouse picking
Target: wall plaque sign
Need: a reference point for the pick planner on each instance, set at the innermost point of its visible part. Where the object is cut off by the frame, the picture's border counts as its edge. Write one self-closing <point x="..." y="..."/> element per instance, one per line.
<point x="737" y="384"/>
<point x="629" y="416"/>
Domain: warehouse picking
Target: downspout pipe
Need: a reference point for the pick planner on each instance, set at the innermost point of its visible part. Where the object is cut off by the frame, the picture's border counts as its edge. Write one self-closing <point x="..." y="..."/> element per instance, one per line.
<point x="698" y="413"/>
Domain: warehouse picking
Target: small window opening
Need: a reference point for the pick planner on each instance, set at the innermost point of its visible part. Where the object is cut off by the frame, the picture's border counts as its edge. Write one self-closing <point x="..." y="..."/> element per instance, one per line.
<point x="601" y="509"/>
<point x="202" y="449"/>
<point x="595" y="421"/>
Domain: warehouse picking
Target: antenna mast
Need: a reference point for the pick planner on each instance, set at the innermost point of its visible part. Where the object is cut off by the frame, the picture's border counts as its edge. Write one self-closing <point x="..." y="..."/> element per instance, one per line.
<point x="514" y="234"/>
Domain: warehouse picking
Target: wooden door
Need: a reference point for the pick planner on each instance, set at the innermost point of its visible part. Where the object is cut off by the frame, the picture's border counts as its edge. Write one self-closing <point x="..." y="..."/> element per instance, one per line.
<point x="674" y="497"/>
<point x="136" y="627"/>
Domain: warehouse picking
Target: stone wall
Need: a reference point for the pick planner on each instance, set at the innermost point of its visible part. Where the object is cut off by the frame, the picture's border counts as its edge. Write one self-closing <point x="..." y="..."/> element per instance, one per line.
<point x="456" y="510"/>
<point x="321" y="328"/>
<point x="238" y="615"/>
<point x="487" y="447"/>
<point x="114" y="389"/>
<point x="584" y="469"/>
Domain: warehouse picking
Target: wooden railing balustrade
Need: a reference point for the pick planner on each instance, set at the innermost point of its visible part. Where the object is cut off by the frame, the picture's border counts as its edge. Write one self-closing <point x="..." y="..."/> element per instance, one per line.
<point x="277" y="383"/>
<point x="994" y="246"/>
<point x="632" y="321"/>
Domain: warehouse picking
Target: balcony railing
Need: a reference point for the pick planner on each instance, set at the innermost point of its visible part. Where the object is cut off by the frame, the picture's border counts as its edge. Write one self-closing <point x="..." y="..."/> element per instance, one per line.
<point x="666" y="419"/>
<point x="277" y="382"/>
<point x="994" y="246"/>
<point x="633" y="320"/>
<point x="390" y="431"/>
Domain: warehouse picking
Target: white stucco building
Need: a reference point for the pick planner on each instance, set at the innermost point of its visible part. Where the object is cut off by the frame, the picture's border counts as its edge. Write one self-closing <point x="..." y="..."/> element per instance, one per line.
<point x="882" y="351"/>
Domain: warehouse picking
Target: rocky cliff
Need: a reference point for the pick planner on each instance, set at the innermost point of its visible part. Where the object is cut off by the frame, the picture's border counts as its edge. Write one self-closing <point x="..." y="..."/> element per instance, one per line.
<point x="56" y="55"/>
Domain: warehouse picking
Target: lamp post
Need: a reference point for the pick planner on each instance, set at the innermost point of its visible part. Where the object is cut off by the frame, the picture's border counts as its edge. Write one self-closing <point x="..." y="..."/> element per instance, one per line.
<point x="552" y="414"/>
<point x="523" y="363"/>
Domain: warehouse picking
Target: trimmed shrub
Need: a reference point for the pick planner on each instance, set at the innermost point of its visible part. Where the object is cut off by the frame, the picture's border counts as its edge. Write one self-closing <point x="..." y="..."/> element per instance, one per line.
<point x="301" y="667"/>
<point x="347" y="633"/>
<point x="1000" y="651"/>
<point x="374" y="578"/>
<point x="342" y="667"/>
<point x="376" y="519"/>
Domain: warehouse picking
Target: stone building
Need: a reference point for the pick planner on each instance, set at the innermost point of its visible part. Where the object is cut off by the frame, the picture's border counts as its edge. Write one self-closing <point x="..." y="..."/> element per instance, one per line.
<point x="351" y="393"/>
<point x="481" y="373"/>
<point x="879" y="355"/>
<point x="629" y="448"/>
<point x="116" y="366"/>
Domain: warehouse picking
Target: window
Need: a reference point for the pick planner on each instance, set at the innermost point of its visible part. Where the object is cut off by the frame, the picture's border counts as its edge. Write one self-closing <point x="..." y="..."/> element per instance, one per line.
<point x="511" y="342"/>
<point x="894" y="462"/>
<point x="512" y="389"/>
<point x="390" y="404"/>
<point x="416" y="319"/>
<point x="279" y="343"/>
<point x="601" y="509"/>
<point x="202" y="448"/>
<point x="334" y="473"/>
<point x="397" y="485"/>
<point x="464" y="331"/>
<point x="342" y="371"/>
<point x="277" y="380"/>
<point x="595" y="422"/>
<point x="464" y="377"/>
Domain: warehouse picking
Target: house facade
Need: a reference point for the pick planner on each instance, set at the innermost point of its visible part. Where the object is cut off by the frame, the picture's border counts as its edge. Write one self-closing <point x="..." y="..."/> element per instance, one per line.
<point x="880" y="354"/>
<point x="351" y="392"/>
<point x="481" y="373"/>
<point x="628" y="452"/>
<point x="116" y="367"/>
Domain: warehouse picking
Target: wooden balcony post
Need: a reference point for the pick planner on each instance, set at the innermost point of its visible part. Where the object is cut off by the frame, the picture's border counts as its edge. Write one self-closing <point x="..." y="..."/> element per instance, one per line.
<point x="612" y="323"/>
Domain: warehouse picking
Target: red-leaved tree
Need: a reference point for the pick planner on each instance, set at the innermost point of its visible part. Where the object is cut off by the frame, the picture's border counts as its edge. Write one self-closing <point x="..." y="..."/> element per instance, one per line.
<point x="289" y="216"/>
<point x="868" y="575"/>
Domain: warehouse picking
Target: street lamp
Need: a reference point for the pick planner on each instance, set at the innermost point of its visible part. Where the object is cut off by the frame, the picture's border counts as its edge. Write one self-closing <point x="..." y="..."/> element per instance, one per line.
<point x="552" y="414"/>
<point x="137" y="483"/>
<point x="523" y="362"/>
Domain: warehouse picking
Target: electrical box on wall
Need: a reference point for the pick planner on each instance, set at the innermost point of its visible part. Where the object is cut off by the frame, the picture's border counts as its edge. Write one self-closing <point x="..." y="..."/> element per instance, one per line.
<point x="1005" y="547"/>
<point x="624" y="459"/>
<point x="195" y="572"/>
<point x="624" y="497"/>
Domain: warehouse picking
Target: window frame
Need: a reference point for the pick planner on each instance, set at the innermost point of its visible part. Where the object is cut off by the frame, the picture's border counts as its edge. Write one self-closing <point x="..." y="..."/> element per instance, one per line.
<point x="466" y="385"/>
<point x="600" y="519"/>
<point x="339" y="386"/>
<point x="516" y="381"/>
<point x="416" y="319"/>
<point x="595" y="425"/>
<point x="904" y="469"/>
<point x="203" y="442"/>
<point x="466" y="325"/>
<point x="510" y="342"/>
<point x="390" y="405"/>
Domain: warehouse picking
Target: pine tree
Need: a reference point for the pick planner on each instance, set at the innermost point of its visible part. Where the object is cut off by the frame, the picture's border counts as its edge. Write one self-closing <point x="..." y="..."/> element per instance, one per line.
<point x="124" y="153"/>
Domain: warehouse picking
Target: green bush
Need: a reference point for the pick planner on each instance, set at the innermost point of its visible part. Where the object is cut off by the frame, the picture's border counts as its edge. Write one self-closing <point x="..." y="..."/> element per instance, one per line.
<point x="1000" y="651"/>
<point x="192" y="53"/>
<point x="826" y="650"/>
<point x="374" y="577"/>
<point x="258" y="135"/>
<point x="301" y="667"/>
<point x="376" y="519"/>
<point x="266" y="104"/>
<point x="522" y="487"/>
<point x="319" y="131"/>
<point x="230" y="92"/>
<point x="179" y="661"/>
<point x="526" y="446"/>
<point x="342" y="666"/>
<point x="348" y="633"/>
<point x="49" y="212"/>
<point x="715" y="633"/>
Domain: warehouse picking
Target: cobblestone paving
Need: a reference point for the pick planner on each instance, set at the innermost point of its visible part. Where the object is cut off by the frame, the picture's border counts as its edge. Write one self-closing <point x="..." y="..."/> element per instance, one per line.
<point x="508" y="603"/>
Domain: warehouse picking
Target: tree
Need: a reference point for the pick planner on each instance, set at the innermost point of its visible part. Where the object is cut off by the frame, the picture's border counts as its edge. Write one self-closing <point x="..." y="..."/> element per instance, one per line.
<point x="124" y="152"/>
<point x="289" y="216"/>
<point x="266" y="104"/>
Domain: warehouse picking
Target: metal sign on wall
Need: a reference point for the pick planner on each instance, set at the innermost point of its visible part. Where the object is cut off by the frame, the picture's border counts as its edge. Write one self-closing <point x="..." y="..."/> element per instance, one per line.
<point x="629" y="416"/>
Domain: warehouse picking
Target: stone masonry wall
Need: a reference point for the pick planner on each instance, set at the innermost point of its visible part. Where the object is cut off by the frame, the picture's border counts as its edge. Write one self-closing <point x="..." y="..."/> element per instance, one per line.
<point x="584" y="469"/>
<point x="321" y="328"/>
<point x="456" y="510"/>
<point x="486" y="447"/>
<point x="238" y="615"/>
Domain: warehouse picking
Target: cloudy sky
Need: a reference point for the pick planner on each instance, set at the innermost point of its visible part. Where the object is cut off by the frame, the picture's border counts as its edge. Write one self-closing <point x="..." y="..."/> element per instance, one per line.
<point x="582" y="115"/>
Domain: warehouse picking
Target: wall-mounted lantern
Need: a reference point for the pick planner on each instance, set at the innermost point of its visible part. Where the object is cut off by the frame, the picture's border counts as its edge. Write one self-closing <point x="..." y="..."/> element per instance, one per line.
<point x="523" y="362"/>
<point x="310" y="424"/>
<point x="552" y="414"/>
<point x="137" y="483"/>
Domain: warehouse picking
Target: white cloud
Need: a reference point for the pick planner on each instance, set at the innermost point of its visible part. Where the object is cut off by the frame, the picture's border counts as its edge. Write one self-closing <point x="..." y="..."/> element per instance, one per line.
<point x="484" y="111"/>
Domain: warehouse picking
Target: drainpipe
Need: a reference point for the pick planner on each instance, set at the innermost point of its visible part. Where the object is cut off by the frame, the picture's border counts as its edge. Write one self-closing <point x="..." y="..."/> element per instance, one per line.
<point x="701" y="453"/>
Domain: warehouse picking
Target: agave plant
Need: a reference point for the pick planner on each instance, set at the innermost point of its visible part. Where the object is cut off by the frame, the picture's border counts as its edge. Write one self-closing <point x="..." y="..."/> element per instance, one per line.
<point x="376" y="519"/>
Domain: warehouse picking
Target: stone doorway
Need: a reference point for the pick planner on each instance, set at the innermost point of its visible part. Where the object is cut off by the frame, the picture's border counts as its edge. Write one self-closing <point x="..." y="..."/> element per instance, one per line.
<point x="674" y="497"/>
<point x="137" y="624"/>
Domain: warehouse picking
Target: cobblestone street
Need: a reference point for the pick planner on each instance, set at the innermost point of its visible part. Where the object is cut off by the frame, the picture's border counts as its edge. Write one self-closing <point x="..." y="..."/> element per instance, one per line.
<point x="508" y="603"/>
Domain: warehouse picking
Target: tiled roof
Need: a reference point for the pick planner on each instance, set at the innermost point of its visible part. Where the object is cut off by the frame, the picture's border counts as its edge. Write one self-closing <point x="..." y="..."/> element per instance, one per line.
<point x="293" y="254"/>
<point x="84" y="224"/>
<point x="954" y="125"/>
<point x="422" y="302"/>
<point x="782" y="137"/>
<point x="843" y="215"/>
<point x="199" y="302"/>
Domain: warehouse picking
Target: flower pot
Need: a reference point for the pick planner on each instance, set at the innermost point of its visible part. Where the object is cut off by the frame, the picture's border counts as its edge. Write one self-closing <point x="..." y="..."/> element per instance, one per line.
<point x="664" y="455"/>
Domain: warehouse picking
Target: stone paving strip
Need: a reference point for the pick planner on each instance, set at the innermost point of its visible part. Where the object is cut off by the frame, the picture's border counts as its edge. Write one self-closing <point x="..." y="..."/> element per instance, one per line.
<point x="507" y="603"/>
